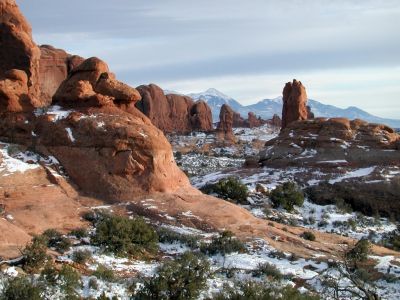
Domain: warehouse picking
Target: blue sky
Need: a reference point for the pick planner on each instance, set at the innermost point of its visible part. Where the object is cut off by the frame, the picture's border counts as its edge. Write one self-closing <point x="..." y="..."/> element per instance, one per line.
<point x="345" y="52"/>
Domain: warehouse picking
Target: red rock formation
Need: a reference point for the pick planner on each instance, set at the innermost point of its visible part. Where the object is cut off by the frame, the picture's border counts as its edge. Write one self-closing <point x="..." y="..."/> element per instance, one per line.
<point x="313" y="142"/>
<point x="92" y="85"/>
<point x="253" y="121"/>
<point x="276" y="121"/>
<point x="224" y="129"/>
<point x="55" y="65"/>
<point x="174" y="113"/>
<point x="294" y="103"/>
<point x="18" y="51"/>
<point x="238" y="121"/>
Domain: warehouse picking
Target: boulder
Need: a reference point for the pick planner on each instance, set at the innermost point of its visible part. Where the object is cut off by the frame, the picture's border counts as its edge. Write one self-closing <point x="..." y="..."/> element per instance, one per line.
<point x="174" y="113"/>
<point x="253" y="121"/>
<point x="238" y="121"/>
<point x="294" y="103"/>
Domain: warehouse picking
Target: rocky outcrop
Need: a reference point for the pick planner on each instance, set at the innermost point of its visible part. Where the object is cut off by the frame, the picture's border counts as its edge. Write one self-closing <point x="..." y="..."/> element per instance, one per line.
<point x="275" y="121"/>
<point x="174" y="113"/>
<point x="251" y="121"/>
<point x="294" y="103"/>
<point x="18" y="52"/>
<point x="224" y="128"/>
<point x="55" y="65"/>
<point x="91" y="84"/>
<point x="310" y="114"/>
<point x="333" y="142"/>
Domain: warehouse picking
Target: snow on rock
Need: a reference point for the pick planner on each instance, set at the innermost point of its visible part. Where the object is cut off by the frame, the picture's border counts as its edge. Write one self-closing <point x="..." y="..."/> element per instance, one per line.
<point x="70" y="136"/>
<point x="9" y="164"/>
<point x="353" y="174"/>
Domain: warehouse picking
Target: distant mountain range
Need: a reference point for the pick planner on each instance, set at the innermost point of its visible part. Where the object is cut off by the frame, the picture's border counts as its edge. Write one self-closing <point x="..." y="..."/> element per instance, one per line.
<point x="268" y="107"/>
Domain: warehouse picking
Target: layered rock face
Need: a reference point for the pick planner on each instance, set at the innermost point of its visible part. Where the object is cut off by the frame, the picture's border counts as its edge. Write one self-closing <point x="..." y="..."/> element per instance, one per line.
<point x="224" y="128"/>
<point x="55" y="65"/>
<point x="174" y="113"/>
<point x="294" y="103"/>
<point x="332" y="142"/>
<point x="17" y="52"/>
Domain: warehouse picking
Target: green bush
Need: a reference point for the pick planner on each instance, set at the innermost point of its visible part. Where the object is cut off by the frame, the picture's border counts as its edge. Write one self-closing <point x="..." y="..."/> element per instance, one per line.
<point x="81" y="256"/>
<point x="20" y="288"/>
<point x="230" y="189"/>
<point x="123" y="236"/>
<point x="287" y="195"/>
<point x="252" y="290"/>
<point x="79" y="233"/>
<point x="308" y="235"/>
<point x="182" y="278"/>
<point x="35" y="255"/>
<point x="56" y="240"/>
<point x="268" y="270"/>
<point x="66" y="279"/>
<point x="104" y="273"/>
<point x="360" y="251"/>
<point x="166" y="235"/>
<point x="224" y="243"/>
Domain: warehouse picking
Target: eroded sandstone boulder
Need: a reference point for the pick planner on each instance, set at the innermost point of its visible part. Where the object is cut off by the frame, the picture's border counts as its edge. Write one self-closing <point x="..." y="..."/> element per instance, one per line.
<point x="294" y="103"/>
<point x="174" y="113"/>
<point x="275" y="121"/>
<point x="91" y="84"/>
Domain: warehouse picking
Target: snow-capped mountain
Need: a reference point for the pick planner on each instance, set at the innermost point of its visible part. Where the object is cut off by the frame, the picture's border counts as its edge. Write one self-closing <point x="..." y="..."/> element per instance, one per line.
<point x="268" y="107"/>
<point x="215" y="99"/>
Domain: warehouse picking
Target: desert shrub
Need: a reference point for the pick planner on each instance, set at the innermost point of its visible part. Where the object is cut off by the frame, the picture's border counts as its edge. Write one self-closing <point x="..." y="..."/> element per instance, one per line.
<point x="277" y="254"/>
<point x="229" y="188"/>
<point x="224" y="243"/>
<point x="342" y="205"/>
<point x="79" y="233"/>
<point x="287" y="195"/>
<point x="360" y="251"/>
<point x="123" y="236"/>
<point x="392" y="239"/>
<point x="35" y="256"/>
<point x="308" y="235"/>
<point x="104" y="273"/>
<point x="103" y="296"/>
<point x="20" y="288"/>
<point x="252" y="290"/>
<point x="268" y="270"/>
<point x="66" y="279"/>
<point x="182" y="278"/>
<point x="69" y="281"/>
<point x="90" y="216"/>
<point x="56" y="240"/>
<point x="81" y="256"/>
<point x="166" y="235"/>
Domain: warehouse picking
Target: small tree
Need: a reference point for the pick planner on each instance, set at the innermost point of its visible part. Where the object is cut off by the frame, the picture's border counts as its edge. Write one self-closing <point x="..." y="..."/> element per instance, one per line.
<point x="20" y="288"/>
<point x="35" y="255"/>
<point x="230" y="189"/>
<point x="182" y="278"/>
<point x="360" y="251"/>
<point x="224" y="244"/>
<point x="287" y="195"/>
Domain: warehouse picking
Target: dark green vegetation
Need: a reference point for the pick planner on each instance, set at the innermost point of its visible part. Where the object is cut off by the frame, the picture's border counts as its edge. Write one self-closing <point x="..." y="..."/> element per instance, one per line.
<point x="251" y="290"/>
<point x="308" y="235"/>
<point x="20" y="288"/>
<point x="229" y="188"/>
<point x="360" y="251"/>
<point x="269" y="271"/>
<point x="81" y="256"/>
<point x="123" y="236"/>
<point x="56" y="240"/>
<point x="166" y="235"/>
<point x="104" y="273"/>
<point x="287" y="195"/>
<point x="182" y="278"/>
<point x="35" y="255"/>
<point x="223" y="244"/>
